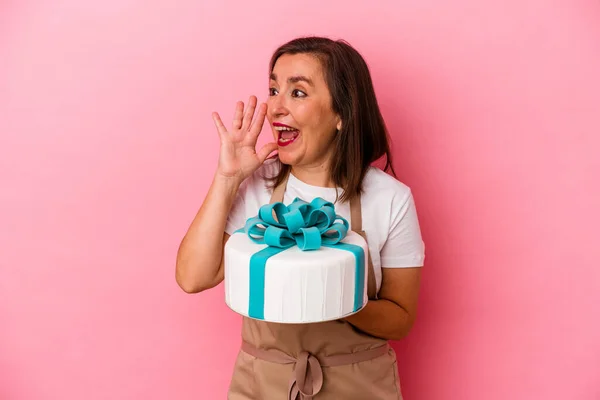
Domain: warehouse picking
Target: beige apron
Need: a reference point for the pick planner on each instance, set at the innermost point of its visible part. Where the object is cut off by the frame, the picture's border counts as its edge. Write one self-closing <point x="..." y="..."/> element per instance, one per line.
<point x="322" y="361"/>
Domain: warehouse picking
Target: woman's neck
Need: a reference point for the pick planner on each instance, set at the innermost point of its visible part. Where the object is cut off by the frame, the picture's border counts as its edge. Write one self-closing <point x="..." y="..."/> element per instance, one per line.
<point x="318" y="175"/>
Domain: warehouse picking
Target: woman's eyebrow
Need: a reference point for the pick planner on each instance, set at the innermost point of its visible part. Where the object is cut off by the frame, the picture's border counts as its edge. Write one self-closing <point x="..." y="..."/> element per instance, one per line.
<point x="295" y="79"/>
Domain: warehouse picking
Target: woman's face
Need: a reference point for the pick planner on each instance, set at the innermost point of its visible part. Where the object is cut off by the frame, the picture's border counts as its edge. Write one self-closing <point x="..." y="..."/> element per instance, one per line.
<point x="299" y="111"/>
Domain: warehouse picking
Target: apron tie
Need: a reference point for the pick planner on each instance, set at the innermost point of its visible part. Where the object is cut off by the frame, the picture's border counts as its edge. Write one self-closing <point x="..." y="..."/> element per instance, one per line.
<point x="307" y="379"/>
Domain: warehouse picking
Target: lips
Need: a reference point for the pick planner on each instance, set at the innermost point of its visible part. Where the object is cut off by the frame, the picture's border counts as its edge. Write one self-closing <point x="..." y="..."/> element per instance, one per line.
<point x="286" y="134"/>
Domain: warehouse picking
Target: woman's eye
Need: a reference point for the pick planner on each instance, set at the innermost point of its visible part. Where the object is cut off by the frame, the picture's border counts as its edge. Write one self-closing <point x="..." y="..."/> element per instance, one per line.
<point x="298" y="93"/>
<point x="272" y="91"/>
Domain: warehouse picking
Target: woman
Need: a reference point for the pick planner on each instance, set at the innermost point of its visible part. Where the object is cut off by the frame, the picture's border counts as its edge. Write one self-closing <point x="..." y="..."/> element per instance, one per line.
<point x="328" y="130"/>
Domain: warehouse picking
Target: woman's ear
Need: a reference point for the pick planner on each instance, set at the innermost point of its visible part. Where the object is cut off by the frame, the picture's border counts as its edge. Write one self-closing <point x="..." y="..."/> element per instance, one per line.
<point x="339" y="125"/>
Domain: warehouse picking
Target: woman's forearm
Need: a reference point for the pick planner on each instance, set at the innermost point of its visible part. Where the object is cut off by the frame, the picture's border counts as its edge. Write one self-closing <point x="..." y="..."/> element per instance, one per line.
<point x="199" y="258"/>
<point x="382" y="318"/>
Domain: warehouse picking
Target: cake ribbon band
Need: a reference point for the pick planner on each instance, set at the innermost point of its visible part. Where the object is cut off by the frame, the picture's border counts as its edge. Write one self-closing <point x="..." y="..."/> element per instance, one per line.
<point x="309" y="226"/>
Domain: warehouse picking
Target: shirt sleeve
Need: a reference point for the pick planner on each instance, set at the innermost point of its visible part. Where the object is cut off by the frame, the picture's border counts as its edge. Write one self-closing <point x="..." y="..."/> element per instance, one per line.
<point x="404" y="246"/>
<point x="237" y="215"/>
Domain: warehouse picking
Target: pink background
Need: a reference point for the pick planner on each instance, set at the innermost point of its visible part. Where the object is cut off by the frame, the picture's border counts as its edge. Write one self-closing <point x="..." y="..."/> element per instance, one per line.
<point x="107" y="149"/>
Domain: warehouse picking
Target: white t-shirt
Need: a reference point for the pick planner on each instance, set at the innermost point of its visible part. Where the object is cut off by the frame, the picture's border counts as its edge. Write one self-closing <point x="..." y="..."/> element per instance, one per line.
<point x="389" y="216"/>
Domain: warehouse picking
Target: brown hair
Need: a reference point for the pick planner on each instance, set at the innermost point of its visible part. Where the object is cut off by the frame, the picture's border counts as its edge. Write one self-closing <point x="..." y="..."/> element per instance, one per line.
<point x="363" y="138"/>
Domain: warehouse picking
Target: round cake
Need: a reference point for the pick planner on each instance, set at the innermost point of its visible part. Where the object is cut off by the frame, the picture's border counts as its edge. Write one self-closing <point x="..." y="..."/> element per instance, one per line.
<point x="296" y="277"/>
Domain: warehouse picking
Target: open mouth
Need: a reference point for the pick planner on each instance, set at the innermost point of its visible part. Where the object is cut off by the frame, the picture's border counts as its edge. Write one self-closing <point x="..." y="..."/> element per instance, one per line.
<point x="286" y="134"/>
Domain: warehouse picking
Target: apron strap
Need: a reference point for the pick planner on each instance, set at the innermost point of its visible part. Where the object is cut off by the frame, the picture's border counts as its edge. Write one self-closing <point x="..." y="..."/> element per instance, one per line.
<point x="279" y="190"/>
<point x="356" y="214"/>
<point x="355" y="224"/>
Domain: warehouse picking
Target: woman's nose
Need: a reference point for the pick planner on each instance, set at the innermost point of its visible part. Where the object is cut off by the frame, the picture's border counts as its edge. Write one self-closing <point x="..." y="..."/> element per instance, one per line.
<point x="277" y="107"/>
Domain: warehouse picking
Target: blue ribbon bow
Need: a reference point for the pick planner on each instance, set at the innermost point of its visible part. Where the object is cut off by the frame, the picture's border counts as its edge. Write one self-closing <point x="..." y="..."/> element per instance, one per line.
<point x="307" y="225"/>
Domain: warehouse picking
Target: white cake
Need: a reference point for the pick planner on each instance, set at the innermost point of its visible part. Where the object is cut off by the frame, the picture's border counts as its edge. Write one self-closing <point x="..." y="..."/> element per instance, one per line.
<point x="297" y="286"/>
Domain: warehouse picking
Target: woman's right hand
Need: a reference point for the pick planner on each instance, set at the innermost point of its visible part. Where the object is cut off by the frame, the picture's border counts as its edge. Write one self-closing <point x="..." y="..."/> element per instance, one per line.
<point x="238" y="157"/>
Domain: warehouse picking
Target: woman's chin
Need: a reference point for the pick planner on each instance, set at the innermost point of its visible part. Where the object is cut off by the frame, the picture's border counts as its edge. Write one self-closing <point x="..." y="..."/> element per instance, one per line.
<point x="287" y="158"/>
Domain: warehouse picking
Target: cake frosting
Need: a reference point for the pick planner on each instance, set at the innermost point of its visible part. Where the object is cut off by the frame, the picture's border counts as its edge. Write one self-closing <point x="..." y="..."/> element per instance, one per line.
<point x="296" y="264"/>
